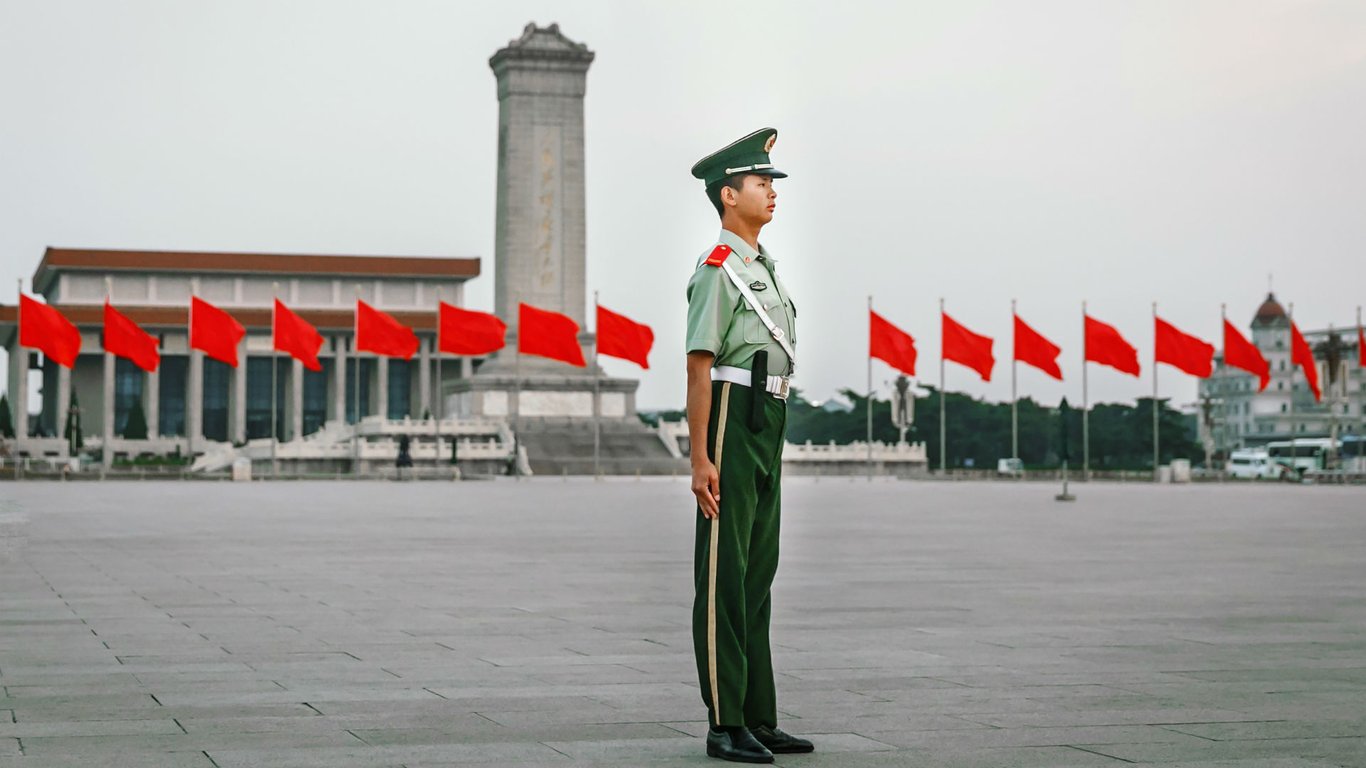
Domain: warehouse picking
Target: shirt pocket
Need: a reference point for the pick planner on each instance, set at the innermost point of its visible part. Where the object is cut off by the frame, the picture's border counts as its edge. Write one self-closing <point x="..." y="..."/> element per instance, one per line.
<point x="755" y="330"/>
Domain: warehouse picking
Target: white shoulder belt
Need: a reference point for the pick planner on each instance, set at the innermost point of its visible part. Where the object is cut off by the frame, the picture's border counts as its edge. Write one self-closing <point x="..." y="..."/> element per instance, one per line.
<point x="753" y="302"/>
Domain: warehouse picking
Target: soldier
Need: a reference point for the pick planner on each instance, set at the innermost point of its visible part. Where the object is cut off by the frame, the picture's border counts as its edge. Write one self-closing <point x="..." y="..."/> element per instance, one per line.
<point x="740" y="354"/>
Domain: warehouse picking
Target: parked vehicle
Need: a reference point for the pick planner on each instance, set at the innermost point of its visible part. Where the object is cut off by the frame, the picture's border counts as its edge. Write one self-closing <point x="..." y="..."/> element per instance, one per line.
<point x="1300" y="455"/>
<point x="1253" y="464"/>
<point x="1009" y="467"/>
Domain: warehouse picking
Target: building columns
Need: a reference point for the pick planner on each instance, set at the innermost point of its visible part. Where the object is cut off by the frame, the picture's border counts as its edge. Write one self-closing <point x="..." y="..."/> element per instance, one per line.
<point x="63" y="398"/>
<point x="151" y="402"/>
<point x="194" y="403"/>
<point x="18" y="388"/>
<point x="107" y="403"/>
<point x="237" y="421"/>
<point x="296" y="399"/>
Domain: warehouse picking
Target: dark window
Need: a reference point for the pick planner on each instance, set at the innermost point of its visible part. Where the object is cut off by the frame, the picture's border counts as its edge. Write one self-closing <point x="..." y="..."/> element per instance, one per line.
<point x="367" y="369"/>
<point x="258" y="396"/>
<point x="217" y="381"/>
<point x="315" y="396"/>
<point x="400" y="388"/>
<point x="171" y="398"/>
<point x="127" y="390"/>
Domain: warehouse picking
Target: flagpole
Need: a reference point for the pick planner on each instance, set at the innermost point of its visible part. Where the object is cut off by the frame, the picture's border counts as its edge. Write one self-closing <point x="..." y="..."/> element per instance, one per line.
<point x="355" y="384"/>
<point x="274" y="365"/>
<point x="868" y="404"/>
<point x="1085" y="405"/>
<point x="189" y="374"/>
<point x="597" y="395"/>
<point x="1293" y="457"/>
<point x="110" y="408"/>
<point x="436" y="428"/>
<point x="943" y="432"/>
<point x="1223" y="320"/>
<point x="20" y="425"/>
<point x="517" y="399"/>
<point x="1014" y="400"/>
<point x="1157" y="476"/>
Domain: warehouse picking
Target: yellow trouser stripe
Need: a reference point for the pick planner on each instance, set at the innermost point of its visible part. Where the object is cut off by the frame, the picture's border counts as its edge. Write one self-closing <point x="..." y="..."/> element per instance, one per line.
<point x="711" y="572"/>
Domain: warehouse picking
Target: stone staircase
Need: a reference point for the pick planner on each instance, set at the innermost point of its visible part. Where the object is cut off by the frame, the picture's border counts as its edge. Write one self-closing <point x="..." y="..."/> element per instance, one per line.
<point x="564" y="446"/>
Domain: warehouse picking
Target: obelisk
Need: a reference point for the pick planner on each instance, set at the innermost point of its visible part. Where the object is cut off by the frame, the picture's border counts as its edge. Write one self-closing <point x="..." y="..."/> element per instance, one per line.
<point x="539" y="239"/>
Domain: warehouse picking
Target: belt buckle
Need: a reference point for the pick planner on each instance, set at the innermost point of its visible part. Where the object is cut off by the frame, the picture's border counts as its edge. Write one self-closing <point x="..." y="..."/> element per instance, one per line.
<point x="781" y="394"/>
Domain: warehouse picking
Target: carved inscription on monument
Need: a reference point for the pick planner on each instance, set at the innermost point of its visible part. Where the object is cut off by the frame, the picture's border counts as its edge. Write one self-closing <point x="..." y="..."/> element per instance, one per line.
<point x="549" y="212"/>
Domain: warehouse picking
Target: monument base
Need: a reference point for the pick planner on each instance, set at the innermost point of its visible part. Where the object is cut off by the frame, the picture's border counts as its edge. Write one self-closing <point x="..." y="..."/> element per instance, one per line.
<point x="553" y="418"/>
<point x="540" y="395"/>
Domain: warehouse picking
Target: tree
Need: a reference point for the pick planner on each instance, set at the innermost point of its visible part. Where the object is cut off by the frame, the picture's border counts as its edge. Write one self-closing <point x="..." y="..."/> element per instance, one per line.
<point x="136" y="426"/>
<point x="1120" y="435"/>
<point x="75" y="441"/>
<point x="6" y="421"/>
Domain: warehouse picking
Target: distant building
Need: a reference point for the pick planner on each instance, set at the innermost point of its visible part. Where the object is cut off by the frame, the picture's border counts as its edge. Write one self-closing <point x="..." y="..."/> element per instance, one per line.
<point x="190" y="401"/>
<point x="1240" y="416"/>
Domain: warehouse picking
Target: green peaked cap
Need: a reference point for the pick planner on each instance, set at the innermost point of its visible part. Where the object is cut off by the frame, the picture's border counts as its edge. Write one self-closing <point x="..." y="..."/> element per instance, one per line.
<point x="747" y="155"/>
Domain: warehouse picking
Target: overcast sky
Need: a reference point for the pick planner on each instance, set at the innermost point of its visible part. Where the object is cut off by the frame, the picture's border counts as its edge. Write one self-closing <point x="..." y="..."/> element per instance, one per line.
<point x="1118" y="152"/>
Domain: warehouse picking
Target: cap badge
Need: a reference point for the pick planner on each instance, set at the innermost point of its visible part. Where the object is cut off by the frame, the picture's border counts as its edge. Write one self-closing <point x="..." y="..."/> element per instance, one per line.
<point x="768" y="145"/>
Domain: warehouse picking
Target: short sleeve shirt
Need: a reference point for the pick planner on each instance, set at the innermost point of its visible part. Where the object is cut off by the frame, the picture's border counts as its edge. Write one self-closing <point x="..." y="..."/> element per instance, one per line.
<point x="721" y="322"/>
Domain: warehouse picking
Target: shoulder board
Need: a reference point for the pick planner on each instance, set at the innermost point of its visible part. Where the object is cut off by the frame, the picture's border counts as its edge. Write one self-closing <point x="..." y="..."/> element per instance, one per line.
<point x="718" y="256"/>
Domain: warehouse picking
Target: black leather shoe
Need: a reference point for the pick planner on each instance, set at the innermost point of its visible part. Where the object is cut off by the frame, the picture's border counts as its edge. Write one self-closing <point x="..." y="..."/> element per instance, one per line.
<point x="781" y="743"/>
<point x="736" y="745"/>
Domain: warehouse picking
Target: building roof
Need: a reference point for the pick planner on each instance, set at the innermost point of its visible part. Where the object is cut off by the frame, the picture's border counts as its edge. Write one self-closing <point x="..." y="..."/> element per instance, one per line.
<point x="1270" y="312"/>
<point x="198" y="262"/>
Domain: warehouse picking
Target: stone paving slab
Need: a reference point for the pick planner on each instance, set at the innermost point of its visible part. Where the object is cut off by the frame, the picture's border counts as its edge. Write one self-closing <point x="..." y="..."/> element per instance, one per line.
<point x="545" y="623"/>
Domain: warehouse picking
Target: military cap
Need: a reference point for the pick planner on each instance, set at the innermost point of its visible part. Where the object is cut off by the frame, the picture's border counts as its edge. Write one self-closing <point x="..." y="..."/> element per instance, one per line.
<point x="747" y="155"/>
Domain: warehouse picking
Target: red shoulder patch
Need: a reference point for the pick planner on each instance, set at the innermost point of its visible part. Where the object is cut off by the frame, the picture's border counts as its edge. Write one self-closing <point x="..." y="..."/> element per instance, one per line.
<point x="718" y="256"/>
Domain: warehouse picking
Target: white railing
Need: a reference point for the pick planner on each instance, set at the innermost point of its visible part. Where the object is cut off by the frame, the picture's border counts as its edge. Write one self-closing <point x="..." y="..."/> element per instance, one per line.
<point x="887" y="453"/>
<point x="891" y="453"/>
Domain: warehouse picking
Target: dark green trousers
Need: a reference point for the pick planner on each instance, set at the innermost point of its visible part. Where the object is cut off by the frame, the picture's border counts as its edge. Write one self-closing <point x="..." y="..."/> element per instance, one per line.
<point x="736" y="557"/>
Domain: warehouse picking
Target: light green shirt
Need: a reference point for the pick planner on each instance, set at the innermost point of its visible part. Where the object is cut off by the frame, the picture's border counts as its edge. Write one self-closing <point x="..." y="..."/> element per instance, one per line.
<point x="721" y="322"/>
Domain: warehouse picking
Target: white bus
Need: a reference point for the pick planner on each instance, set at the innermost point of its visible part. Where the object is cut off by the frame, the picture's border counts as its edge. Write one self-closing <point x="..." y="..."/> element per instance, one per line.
<point x="1300" y="455"/>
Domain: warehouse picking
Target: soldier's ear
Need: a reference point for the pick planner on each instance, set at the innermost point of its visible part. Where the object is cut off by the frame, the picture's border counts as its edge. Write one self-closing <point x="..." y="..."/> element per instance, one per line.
<point x="728" y="195"/>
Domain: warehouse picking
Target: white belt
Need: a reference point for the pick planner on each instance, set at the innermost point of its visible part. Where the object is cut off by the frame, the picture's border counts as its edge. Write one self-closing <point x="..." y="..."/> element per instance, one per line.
<point x="774" y="385"/>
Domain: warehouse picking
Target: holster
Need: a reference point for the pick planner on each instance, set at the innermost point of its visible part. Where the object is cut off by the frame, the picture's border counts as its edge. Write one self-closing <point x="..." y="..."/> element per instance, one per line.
<point x="758" y="389"/>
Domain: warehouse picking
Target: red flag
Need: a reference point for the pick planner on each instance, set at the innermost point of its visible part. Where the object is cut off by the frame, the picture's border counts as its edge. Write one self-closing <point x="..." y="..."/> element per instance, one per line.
<point x="124" y="338"/>
<point x="1104" y="345"/>
<point x="1303" y="356"/>
<point x="1033" y="349"/>
<point x="42" y="327"/>
<point x="214" y="331"/>
<point x="1181" y="350"/>
<point x="963" y="346"/>
<point x="297" y="336"/>
<point x="380" y="333"/>
<point x="548" y="334"/>
<point x="1361" y="347"/>
<point x="466" y="332"/>
<point x="620" y="336"/>
<point x="890" y="344"/>
<point x="1241" y="353"/>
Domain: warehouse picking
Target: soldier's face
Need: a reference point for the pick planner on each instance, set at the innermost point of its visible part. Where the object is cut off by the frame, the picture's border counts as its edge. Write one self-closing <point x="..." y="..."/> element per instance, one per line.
<point x="756" y="200"/>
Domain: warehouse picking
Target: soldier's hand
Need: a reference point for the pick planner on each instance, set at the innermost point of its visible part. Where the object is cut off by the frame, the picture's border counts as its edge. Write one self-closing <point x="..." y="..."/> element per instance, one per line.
<point x="706" y="486"/>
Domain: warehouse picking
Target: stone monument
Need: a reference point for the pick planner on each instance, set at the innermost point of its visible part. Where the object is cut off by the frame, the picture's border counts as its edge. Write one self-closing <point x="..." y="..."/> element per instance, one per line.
<point x="539" y="251"/>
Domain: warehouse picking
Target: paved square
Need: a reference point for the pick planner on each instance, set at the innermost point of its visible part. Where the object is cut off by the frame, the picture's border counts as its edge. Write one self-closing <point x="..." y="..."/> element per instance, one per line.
<point x="545" y="623"/>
